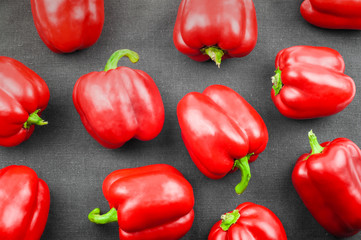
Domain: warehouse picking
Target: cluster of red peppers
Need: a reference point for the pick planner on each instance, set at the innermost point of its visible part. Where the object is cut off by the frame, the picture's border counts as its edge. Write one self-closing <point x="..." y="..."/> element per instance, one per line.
<point x="220" y="129"/>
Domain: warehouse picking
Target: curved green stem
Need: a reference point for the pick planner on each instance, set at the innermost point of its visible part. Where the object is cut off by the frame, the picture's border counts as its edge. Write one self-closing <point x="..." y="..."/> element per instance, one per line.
<point x="315" y="146"/>
<point x="215" y="53"/>
<point x="277" y="81"/>
<point x="243" y="165"/>
<point x="95" y="217"/>
<point x="115" y="57"/>
<point x="34" y="119"/>
<point x="229" y="219"/>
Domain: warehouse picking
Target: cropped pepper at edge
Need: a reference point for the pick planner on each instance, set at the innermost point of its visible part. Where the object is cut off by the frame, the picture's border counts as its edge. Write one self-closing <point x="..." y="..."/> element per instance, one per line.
<point x="328" y="181"/>
<point x="150" y="202"/>
<point x="23" y="97"/>
<point x="66" y="26"/>
<point x="248" y="221"/>
<point x="335" y="14"/>
<point x="213" y="29"/>
<point x="25" y="203"/>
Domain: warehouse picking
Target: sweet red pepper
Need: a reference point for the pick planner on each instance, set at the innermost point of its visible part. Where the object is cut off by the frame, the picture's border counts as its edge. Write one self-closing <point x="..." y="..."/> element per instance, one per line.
<point x="335" y="14"/>
<point x="328" y="181"/>
<point x="213" y="29"/>
<point x="152" y="202"/>
<point x="119" y="103"/>
<point x="24" y="201"/>
<point x="23" y="97"/>
<point x="222" y="132"/>
<point x="310" y="82"/>
<point x="248" y="221"/>
<point x="67" y="25"/>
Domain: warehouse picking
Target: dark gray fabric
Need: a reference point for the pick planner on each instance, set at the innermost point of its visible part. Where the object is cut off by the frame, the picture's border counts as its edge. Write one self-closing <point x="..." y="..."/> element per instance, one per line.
<point x="74" y="165"/>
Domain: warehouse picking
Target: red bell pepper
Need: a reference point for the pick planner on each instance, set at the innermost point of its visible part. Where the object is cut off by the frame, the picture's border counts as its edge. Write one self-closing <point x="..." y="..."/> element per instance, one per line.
<point x="213" y="29"/>
<point x="248" y="221"/>
<point x="23" y="97"/>
<point x="222" y="132"/>
<point x="119" y="103"/>
<point x="24" y="201"/>
<point x="154" y="202"/>
<point x="310" y="82"/>
<point x="335" y="14"/>
<point x="67" y="25"/>
<point x="328" y="181"/>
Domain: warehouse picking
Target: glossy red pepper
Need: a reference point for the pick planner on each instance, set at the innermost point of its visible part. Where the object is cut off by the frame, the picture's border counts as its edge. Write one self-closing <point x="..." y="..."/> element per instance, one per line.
<point x="213" y="29"/>
<point x="335" y="14"/>
<point x="119" y="103"/>
<point x="154" y="202"/>
<point x="67" y="25"/>
<point x="310" y="82"/>
<point x="248" y="221"/>
<point x="23" y="97"/>
<point x="222" y="132"/>
<point x="24" y="201"/>
<point x="328" y="181"/>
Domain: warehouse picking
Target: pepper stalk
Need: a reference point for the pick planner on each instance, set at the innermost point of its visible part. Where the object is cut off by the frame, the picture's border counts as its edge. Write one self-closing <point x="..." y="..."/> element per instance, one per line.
<point x="112" y="63"/>
<point x="95" y="216"/>
<point x="229" y="219"/>
<point x="277" y="81"/>
<point x="243" y="165"/>
<point x="215" y="53"/>
<point x="315" y="146"/>
<point x="34" y="119"/>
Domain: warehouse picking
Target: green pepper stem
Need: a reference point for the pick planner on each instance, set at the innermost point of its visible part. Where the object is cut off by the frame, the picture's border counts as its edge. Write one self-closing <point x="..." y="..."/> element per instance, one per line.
<point x="115" y="57"/>
<point x="243" y="165"/>
<point x="277" y="81"/>
<point x="315" y="146"/>
<point x="215" y="53"/>
<point x="95" y="217"/>
<point x="229" y="219"/>
<point x="34" y="119"/>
